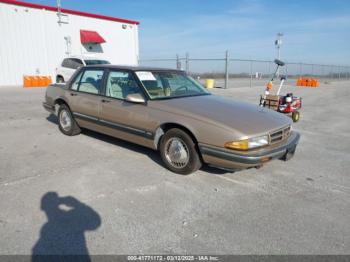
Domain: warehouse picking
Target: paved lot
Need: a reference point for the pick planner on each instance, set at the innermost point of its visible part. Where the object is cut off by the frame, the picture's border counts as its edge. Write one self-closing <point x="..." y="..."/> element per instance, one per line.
<point x="117" y="198"/>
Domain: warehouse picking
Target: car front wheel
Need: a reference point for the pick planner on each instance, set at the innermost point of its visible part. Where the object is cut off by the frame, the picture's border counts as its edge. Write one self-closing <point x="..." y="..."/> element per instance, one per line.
<point x="179" y="153"/>
<point x="66" y="122"/>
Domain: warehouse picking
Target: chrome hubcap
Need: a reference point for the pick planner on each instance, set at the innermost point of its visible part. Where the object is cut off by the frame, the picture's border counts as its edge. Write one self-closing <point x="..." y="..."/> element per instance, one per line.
<point x="65" y="120"/>
<point x="176" y="152"/>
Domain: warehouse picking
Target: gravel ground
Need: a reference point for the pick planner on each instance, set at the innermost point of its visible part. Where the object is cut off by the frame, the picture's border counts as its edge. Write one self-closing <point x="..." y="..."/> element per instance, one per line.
<point x="113" y="197"/>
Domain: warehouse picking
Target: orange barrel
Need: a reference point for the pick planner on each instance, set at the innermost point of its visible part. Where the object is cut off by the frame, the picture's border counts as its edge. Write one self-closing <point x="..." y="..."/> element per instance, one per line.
<point x="41" y="81"/>
<point x="44" y="81"/>
<point x="27" y="81"/>
<point x="311" y="82"/>
<point x="49" y="80"/>
<point x="308" y="82"/>
<point x="317" y="83"/>
<point x="35" y="81"/>
<point x="299" y="82"/>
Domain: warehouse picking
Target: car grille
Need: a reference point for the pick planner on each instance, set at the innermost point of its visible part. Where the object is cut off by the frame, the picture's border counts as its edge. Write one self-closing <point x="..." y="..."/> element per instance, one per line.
<point x="279" y="135"/>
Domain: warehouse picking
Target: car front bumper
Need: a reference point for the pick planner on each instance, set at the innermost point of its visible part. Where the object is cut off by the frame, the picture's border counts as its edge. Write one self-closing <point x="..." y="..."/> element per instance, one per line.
<point x="234" y="160"/>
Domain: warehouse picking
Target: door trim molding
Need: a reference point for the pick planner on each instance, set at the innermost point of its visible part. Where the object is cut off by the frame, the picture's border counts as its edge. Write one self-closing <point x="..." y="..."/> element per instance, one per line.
<point x="121" y="127"/>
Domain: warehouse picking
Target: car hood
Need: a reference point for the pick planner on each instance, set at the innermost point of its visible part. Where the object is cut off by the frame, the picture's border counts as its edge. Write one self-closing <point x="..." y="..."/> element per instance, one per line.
<point x="246" y="118"/>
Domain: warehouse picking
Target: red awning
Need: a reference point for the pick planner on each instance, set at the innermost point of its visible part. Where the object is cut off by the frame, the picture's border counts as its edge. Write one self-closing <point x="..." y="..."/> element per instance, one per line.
<point x="87" y="37"/>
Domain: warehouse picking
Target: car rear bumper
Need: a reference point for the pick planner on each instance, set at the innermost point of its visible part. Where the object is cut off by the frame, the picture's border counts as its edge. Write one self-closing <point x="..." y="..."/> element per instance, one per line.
<point x="49" y="108"/>
<point x="230" y="159"/>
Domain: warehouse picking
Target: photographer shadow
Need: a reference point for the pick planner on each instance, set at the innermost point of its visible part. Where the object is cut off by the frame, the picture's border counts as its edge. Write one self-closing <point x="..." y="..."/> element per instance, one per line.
<point x="62" y="237"/>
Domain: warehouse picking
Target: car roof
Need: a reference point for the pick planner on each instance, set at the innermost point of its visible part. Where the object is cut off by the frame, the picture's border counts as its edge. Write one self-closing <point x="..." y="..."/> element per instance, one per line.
<point x="134" y="68"/>
<point x="85" y="57"/>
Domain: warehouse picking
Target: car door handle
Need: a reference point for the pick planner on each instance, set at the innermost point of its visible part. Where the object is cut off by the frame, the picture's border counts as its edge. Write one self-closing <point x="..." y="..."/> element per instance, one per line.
<point x="73" y="94"/>
<point x="105" y="101"/>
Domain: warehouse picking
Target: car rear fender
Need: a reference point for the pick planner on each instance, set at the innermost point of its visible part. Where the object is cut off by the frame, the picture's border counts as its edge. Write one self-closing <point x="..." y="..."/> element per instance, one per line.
<point x="55" y="95"/>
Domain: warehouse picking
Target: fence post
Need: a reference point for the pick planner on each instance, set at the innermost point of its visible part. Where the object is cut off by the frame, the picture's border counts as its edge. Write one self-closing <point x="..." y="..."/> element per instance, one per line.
<point x="332" y="76"/>
<point x="227" y="61"/>
<point x="187" y="63"/>
<point x="178" y="63"/>
<point x="251" y="73"/>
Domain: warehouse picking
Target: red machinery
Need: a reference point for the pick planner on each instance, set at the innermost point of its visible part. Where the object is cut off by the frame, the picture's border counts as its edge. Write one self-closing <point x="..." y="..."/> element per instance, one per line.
<point x="286" y="104"/>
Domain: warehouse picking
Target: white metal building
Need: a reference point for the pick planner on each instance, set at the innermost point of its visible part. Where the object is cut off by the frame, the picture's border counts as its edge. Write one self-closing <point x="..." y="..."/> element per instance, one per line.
<point x="35" y="39"/>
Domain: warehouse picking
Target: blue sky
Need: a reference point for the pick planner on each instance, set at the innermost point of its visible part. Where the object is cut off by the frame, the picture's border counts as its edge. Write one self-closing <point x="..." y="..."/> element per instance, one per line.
<point x="315" y="31"/>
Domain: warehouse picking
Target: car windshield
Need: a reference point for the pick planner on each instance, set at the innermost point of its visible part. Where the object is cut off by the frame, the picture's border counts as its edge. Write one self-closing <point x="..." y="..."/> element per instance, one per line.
<point x="96" y="62"/>
<point x="167" y="84"/>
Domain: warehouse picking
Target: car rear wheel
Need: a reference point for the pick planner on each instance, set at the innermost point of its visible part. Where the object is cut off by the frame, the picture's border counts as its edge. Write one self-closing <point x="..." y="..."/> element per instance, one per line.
<point x="59" y="79"/>
<point x="66" y="122"/>
<point x="179" y="153"/>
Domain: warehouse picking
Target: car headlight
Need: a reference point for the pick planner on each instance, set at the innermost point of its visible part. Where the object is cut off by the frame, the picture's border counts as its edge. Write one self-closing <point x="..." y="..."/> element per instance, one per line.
<point x="249" y="143"/>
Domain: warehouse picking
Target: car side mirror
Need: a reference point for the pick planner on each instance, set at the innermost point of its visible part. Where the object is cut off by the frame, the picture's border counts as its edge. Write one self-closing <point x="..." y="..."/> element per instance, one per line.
<point x="135" y="98"/>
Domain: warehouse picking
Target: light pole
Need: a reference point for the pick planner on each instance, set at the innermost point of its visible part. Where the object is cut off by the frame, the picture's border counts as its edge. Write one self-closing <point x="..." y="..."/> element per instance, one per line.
<point x="59" y="10"/>
<point x="278" y="44"/>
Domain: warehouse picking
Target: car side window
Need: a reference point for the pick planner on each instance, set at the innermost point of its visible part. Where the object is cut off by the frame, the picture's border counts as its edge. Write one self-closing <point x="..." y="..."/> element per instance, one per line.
<point x="65" y="62"/>
<point x="75" y="63"/>
<point x="90" y="82"/>
<point x="120" y="84"/>
<point x="75" y="83"/>
<point x="72" y="63"/>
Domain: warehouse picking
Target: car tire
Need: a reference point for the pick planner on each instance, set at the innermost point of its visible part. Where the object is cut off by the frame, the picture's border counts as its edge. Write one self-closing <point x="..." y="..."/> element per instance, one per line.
<point x="66" y="121"/>
<point x="295" y="116"/>
<point x="179" y="152"/>
<point x="59" y="79"/>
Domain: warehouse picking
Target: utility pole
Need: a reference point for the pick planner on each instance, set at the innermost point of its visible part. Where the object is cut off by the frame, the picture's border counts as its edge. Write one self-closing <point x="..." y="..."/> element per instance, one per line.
<point x="187" y="63"/>
<point x="59" y="11"/>
<point x="178" y="63"/>
<point x="227" y="61"/>
<point x="60" y="14"/>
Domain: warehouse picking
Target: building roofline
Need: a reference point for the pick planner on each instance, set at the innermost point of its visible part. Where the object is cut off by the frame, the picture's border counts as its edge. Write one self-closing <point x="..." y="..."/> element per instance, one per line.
<point x="69" y="11"/>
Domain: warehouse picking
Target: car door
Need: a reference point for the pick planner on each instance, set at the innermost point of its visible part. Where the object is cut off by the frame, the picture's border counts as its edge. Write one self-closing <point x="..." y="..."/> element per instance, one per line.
<point x="126" y="120"/>
<point x="85" y="97"/>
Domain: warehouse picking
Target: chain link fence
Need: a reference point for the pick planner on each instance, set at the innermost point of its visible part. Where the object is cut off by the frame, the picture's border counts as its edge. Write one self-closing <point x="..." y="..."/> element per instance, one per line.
<point x="230" y="72"/>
